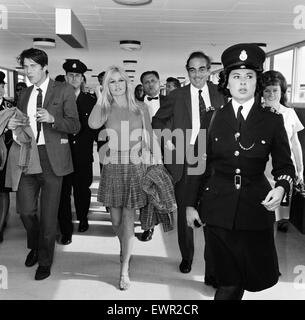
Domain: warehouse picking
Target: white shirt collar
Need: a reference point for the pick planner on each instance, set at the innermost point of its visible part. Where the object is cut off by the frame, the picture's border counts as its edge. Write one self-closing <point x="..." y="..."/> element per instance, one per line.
<point x="246" y="107"/>
<point x="44" y="85"/>
<point x="195" y="90"/>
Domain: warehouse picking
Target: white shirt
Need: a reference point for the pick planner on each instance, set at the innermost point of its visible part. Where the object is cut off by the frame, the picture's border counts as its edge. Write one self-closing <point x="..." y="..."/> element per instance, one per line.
<point x="31" y="110"/>
<point x="153" y="106"/>
<point x="195" y="109"/>
<point x="246" y="107"/>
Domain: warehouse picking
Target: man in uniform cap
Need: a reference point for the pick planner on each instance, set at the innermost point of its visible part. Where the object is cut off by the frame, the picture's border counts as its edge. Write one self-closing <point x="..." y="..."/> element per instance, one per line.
<point x="234" y="198"/>
<point x="82" y="156"/>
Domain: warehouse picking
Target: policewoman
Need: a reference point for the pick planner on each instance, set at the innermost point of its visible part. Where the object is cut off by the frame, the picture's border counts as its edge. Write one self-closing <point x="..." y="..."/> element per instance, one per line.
<point x="81" y="145"/>
<point x="234" y="199"/>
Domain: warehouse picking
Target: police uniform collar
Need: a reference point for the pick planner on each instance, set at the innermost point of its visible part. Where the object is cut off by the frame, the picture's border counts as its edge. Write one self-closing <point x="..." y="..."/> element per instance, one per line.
<point x="246" y="106"/>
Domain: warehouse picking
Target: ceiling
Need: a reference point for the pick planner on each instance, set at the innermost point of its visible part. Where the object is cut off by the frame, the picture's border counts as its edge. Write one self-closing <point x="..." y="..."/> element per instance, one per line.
<point x="168" y="29"/>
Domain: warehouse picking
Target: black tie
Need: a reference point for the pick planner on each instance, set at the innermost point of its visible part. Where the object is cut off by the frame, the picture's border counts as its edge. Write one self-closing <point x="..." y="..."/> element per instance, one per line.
<point x="152" y="98"/>
<point x="240" y="118"/>
<point x="38" y="105"/>
<point x="202" y="108"/>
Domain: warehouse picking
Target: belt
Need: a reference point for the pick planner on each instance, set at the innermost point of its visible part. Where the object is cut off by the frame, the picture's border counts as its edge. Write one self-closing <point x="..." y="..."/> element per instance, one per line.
<point x="238" y="178"/>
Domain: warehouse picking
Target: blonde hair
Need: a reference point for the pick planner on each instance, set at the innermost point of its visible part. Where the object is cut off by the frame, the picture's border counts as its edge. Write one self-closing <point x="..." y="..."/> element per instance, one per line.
<point x="106" y="99"/>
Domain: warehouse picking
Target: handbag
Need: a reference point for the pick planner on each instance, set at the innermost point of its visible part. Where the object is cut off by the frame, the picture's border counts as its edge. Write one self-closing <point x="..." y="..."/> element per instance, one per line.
<point x="297" y="209"/>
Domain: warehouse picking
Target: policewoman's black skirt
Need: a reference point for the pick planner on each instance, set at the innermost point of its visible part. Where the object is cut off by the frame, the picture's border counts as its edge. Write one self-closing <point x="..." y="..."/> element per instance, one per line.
<point x="242" y="258"/>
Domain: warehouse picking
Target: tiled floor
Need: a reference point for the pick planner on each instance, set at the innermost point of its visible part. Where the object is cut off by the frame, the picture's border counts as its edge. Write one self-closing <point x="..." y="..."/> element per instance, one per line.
<point x="88" y="268"/>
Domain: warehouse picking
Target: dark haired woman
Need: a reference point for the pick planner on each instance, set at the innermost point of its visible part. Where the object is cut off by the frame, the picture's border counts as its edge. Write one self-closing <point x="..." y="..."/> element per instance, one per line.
<point x="274" y="87"/>
<point x="235" y="200"/>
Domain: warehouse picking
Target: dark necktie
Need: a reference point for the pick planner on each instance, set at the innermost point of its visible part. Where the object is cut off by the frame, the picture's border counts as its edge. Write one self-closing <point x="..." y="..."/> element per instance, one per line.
<point x="240" y="118"/>
<point x="38" y="105"/>
<point x="202" y="109"/>
<point x="152" y="98"/>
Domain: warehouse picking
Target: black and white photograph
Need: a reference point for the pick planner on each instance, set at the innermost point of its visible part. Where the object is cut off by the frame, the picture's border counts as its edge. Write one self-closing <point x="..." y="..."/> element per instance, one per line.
<point x="152" y="153"/>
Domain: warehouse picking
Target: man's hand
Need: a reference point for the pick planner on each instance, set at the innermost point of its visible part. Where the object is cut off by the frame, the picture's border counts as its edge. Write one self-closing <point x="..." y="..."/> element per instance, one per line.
<point x="191" y="216"/>
<point x="43" y="115"/>
<point x="169" y="145"/>
<point x="273" y="198"/>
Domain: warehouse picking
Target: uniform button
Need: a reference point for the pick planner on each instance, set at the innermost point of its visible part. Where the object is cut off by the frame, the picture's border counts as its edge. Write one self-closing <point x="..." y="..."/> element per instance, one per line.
<point x="237" y="134"/>
<point x="236" y="153"/>
<point x="74" y="134"/>
<point x="74" y="142"/>
<point x="263" y="141"/>
<point x="237" y="171"/>
<point x="216" y="139"/>
<point x="207" y="188"/>
<point x="86" y="114"/>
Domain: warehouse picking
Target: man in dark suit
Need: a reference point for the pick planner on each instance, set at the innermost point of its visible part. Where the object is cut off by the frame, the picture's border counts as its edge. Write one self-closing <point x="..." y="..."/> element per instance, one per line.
<point x="81" y="145"/>
<point x="190" y="109"/>
<point x="154" y="100"/>
<point x="52" y="113"/>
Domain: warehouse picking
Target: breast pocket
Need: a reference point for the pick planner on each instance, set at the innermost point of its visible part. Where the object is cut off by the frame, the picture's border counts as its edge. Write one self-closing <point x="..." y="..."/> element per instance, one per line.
<point x="260" y="149"/>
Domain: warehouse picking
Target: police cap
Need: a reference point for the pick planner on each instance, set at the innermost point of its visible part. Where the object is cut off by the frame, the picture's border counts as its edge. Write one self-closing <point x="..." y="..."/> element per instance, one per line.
<point x="243" y="56"/>
<point x="74" y="65"/>
<point x="2" y="77"/>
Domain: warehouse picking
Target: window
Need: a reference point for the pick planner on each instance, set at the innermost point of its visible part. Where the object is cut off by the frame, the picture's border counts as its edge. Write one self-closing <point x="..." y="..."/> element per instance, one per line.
<point x="283" y="63"/>
<point x="300" y="70"/>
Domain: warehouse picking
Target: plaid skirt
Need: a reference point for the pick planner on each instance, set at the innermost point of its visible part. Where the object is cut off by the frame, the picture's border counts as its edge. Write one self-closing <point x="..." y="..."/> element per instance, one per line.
<point x="121" y="181"/>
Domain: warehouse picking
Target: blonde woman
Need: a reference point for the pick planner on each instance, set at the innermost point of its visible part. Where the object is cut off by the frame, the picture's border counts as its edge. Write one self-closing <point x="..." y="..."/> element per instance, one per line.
<point x="121" y="178"/>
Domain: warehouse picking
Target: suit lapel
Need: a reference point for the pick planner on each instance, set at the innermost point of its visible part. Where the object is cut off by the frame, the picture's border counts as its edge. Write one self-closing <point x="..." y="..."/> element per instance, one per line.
<point x="49" y="93"/>
<point x="23" y="105"/>
<point x="188" y="100"/>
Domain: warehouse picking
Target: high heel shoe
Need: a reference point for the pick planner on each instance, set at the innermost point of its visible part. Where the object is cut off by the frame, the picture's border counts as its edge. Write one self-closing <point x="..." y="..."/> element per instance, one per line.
<point x="124" y="282"/>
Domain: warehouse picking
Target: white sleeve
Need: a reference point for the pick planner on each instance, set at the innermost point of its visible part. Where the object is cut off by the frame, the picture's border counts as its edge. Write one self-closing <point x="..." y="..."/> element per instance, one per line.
<point x="296" y="123"/>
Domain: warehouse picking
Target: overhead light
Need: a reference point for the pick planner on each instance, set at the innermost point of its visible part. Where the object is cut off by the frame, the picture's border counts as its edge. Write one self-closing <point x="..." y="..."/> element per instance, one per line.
<point x="130" y="71"/>
<point x="132" y="2"/>
<point x="44" y="42"/>
<point x="129" y="64"/>
<point x="70" y="29"/>
<point x="130" y="45"/>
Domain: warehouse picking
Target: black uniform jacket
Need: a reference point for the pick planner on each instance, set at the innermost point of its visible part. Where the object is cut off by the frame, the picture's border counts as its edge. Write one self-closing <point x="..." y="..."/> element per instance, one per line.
<point x="82" y="143"/>
<point x="176" y="110"/>
<point x="231" y="190"/>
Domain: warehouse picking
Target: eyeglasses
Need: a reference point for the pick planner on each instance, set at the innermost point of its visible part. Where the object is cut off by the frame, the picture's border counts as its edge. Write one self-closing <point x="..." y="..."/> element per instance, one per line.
<point x="201" y="70"/>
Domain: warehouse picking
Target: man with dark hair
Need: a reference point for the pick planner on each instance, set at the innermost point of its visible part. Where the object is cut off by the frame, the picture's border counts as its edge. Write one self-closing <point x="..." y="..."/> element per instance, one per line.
<point x="81" y="145"/>
<point x="52" y="113"/>
<point x="60" y="78"/>
<point x="188" y="108"/>
<point x="153" y="99"/>
<point x="172" y="84"/>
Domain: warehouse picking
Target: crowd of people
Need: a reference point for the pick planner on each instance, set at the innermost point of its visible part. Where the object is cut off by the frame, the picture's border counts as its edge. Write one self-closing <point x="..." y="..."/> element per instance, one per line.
<point x="204" y="151"/>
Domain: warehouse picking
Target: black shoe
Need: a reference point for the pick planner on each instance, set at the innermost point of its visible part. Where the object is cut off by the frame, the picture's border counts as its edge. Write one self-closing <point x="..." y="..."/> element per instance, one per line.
<point x="42" y="272"/>
<point x="31" y="258"/>
<point x="83" y="226"/>
<point x="65" y="240"/>
<point x="185" y="266"/>
<point x="147" y="235"/>
<point x="210" y="281"/>
<point x="283" y="225"/>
